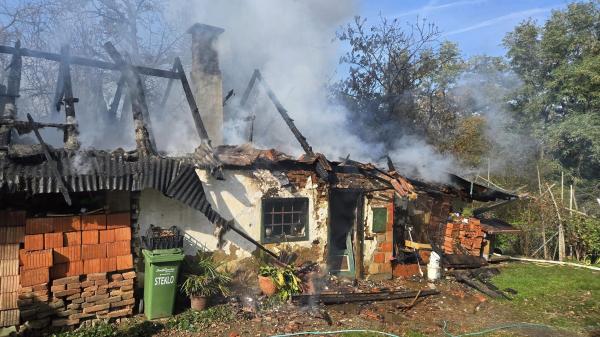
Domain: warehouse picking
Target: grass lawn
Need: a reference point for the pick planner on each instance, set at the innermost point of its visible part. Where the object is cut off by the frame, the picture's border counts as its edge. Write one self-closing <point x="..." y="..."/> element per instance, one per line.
<point x="559" y="296"/>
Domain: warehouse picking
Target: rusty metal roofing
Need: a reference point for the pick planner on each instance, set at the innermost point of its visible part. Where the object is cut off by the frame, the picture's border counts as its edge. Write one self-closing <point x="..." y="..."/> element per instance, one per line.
<point x="85" y="171"/>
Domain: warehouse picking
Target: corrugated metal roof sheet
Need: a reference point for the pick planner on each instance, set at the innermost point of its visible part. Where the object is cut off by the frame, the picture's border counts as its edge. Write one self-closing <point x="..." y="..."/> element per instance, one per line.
<point x="99" y="170"/>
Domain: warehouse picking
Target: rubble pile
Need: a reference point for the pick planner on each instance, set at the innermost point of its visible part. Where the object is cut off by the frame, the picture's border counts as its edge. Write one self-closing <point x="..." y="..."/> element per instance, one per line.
<point x="74" y="299"/>
<point x="464" y="237"/>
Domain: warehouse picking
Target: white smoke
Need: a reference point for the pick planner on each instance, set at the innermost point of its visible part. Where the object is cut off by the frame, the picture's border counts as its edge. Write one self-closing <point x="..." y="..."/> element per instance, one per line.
<point x="293" y="45"/>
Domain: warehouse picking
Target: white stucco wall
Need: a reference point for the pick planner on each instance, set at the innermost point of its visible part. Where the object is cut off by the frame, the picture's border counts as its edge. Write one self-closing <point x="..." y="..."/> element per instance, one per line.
<point x="237" y="197"/>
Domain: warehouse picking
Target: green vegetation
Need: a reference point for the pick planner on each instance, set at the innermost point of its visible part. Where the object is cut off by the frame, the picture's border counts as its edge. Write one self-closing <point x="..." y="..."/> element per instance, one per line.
<point x="105" y="329"/>
<point x="535" y="108"/>
<point x="196" y="321"/>
<point x="559" y="296"/>
<point x="204" y="277"/>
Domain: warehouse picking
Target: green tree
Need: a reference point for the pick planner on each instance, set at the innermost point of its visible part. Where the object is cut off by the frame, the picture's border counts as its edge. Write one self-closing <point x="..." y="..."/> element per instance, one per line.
<point x="559" y="64"/>
<point x="399" y="79"/>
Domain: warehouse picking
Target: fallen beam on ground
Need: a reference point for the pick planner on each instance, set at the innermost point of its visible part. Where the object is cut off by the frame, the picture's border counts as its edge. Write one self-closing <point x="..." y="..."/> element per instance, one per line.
<point x="362" y="297"/>
<point x="479" y="286"/>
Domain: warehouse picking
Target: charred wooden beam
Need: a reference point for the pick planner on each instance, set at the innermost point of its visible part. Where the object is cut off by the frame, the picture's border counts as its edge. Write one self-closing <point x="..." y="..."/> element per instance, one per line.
<point x="230" y="94"/>
<point x="191" y="101"/>
<point x="249" y="88"/>
<point x="71" y="131"/>
<point x="362" y="297"/>
<point x="24" y="127"/>
<point x="143" y="130"/>
<point x="322" y="167"/>
<point x="163" y="102"/>
<point x="51" y="162"/>
<point x="114" y="105"/>
<point x="82" y="61"/>
<point x="12" y="92"/>
<point x="283" y="112"/>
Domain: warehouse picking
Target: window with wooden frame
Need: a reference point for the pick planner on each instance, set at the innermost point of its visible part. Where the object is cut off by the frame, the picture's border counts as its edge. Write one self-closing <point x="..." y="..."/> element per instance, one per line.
<point x="284" y="219"/>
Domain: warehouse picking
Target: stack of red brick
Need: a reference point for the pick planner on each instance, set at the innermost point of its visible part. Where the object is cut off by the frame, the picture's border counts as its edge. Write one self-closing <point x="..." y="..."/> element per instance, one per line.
<point x="74" y="299"/>
<point x="464" y="238"/>
<point x="12" y="232"/>
<point x="63" y="248"/>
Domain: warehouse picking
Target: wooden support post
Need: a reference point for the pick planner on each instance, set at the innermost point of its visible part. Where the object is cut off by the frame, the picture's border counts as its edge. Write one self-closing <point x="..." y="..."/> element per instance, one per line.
<point x="244" y="100"/>
<point x="51" y="162"/>
<point x="249" y="88"/>
<point x="163" y="102"/>
<point x="114" y="105"/>
<point x="144" y="137"/>
<point x="561" y="231"/>
<point x="12" y="92"/>
<point x="71" y="131"/>
<point x="544" y="241"/>
<point x="562" y="187"/>
<point x="191" y="102"/>
<point x="571" y="200"/>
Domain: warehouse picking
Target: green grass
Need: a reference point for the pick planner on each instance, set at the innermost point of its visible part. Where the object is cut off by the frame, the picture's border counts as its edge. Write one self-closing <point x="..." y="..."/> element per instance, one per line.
<point x="559" y="296"/>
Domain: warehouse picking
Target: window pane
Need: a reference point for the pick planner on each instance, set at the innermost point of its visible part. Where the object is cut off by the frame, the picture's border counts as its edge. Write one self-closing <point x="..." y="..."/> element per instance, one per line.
<point x="287" y="230"/>
<point x="285" y="219"/>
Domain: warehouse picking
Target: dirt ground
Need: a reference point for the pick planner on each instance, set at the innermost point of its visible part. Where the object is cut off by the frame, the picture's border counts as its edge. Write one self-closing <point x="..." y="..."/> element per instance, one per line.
<point x="462" y="309"/>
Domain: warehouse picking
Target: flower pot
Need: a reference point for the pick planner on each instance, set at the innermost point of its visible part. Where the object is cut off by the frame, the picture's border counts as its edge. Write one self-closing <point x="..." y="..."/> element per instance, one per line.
<point x="198" y="303"/>
<point x="267" y="285"/>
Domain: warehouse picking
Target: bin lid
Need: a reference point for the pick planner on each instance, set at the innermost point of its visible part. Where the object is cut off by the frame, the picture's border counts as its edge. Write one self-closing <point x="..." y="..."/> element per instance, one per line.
<point x="163" y="255"/>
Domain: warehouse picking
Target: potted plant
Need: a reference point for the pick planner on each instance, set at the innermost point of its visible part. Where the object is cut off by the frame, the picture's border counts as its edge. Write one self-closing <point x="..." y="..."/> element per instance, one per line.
<point x="204" y="281"/>
<point x="266" y="280"/>
<point x="281" y="281"/>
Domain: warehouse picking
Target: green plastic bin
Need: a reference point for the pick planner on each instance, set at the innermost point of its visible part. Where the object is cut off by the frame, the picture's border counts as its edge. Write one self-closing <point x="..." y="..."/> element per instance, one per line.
<point x="160" y="281"/>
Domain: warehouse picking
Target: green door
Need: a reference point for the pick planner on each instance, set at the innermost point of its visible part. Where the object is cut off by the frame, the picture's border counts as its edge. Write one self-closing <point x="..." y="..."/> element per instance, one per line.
<point x="342" y="221"/>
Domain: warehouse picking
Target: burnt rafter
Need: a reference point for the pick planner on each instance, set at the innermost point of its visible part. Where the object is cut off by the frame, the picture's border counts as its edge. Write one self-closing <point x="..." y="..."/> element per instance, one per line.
<point x="9" y="107"/>
<point x="51" y="162"/>
<point x="191" y="101"/>
<point x="322" y="167"/>
<point x="64" y="96"/>
<point x="143" y="130"/>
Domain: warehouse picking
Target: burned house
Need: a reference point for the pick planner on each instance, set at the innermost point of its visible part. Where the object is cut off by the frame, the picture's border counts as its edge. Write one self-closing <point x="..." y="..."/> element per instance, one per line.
<point x="355" y="219"/>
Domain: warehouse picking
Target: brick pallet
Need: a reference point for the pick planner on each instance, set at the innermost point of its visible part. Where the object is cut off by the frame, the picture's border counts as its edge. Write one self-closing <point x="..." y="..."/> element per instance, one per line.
<point x="75" y="268"/>
<point x="12" y="232"/>
<point x="461" y="237"/>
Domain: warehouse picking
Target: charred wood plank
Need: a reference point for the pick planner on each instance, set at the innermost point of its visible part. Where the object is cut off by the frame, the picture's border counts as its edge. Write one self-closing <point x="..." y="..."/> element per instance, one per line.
<point x="362" y="297"/>
<point x="163" y="102"/>
<point x="249" y="88"/>
<point x="143" y="130"/>
<point x="71" y="131"/>
<point x="479" y="286"/>
<point x="230" y="94"/>
<point x="283" y="112"/>
<point x="114" y="105"/>
<point x="82" y="61"/>
<point x="12" y="92"/>
<point x="51" y="162"/>
<point x="191" y="101"/>
<point x="24" y="127"/>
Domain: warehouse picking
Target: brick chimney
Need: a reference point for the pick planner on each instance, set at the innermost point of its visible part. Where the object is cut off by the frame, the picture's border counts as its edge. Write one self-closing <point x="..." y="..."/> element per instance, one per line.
<point x="206" y="79"/>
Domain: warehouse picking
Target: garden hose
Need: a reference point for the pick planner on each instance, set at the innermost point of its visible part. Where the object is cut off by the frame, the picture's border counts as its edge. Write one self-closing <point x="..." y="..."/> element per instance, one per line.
<point x="333" y="332"/>
<point x="501" y="327"/>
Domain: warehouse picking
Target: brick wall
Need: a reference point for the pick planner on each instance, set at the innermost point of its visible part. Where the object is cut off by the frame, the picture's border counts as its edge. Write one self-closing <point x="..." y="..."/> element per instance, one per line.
<point x="12" y="233"/>
<point x="382" y="256"/>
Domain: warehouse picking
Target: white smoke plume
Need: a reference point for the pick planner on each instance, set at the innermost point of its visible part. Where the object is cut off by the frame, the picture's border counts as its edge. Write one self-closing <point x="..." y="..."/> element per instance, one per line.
<point x="292" y="43"/>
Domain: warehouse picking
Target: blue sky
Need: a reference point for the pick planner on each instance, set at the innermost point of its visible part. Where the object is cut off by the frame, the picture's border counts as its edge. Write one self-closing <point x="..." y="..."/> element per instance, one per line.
<point x="477" y="25"/>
